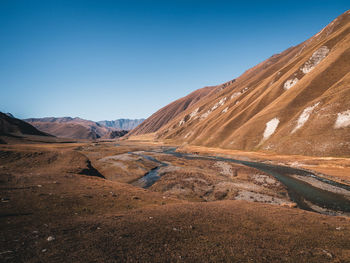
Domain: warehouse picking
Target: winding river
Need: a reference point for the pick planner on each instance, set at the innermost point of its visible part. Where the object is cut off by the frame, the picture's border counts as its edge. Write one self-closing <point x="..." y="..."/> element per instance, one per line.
<point x="299" y="191"/>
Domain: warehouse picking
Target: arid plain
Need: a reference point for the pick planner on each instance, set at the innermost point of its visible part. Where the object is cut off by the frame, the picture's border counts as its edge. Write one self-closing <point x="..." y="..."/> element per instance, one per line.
<point x="65" y="199"/>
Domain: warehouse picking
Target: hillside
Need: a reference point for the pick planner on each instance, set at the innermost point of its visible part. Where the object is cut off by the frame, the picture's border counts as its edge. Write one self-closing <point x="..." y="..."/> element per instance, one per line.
<point x="75" y="128"/>
<point x="295" y="102"/>
<point x="11" y="126"/>
<point x="169" y="112"/>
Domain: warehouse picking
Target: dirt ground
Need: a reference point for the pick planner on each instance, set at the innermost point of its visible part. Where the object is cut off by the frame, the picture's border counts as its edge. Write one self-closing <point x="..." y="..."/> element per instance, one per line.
<point x="66" y="202"/>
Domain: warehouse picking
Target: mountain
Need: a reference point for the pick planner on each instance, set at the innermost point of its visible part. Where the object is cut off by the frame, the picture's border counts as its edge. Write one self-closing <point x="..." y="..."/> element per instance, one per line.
<point x="295" y="102"/>
<point x="169" y="112"/>
<point x="11" y="126"/>
<point x="75" y="128"/>
<point x="117" y="134"/>
<point x="122" y="124"/>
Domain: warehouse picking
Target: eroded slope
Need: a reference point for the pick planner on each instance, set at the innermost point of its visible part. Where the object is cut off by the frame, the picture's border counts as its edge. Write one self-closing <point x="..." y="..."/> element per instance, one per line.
<point x="296" y="102"/>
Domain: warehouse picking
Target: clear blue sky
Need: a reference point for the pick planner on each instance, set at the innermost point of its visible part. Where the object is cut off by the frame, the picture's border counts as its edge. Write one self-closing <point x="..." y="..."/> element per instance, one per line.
<point x="113" y="59"/>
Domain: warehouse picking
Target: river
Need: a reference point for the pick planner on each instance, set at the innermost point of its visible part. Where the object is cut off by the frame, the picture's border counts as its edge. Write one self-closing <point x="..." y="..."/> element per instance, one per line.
<point x="300" y="192"/>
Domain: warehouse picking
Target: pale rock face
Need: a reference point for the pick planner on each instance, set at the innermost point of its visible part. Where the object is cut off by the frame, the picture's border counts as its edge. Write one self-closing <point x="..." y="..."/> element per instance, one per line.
<point x="225" y="110"/>
<point x="216" y="105"/>
<point x="194" y="113"/>
<point x="222" y="101"/>
<point x="290" y="83"/>
<point x="206" y="114"/>
<point x="304" y="116"/>
<point x="271" y="127"/>
<point x="236" y="94"/>
<point x="315" y="59"/>
<point x="219" y="103"/>
<point x="343" y="120"/>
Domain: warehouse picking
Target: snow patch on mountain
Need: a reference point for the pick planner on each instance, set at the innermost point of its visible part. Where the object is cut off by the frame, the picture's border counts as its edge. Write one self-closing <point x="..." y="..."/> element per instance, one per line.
<point x="304" y="116"/>
<point x="343" y="120"/>
<point x="290" y="83"/>
<point x="271" y="127"/>
<point x="225" y="110"/>
<point x="315" y="59"/>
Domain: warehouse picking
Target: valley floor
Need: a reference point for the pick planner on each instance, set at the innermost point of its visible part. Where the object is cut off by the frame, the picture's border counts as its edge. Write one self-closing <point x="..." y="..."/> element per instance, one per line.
<point x="84" y="202"/>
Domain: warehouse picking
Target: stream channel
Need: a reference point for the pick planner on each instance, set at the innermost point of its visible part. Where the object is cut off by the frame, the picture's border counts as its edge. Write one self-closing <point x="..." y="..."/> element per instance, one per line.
<point x="299" y="191"/>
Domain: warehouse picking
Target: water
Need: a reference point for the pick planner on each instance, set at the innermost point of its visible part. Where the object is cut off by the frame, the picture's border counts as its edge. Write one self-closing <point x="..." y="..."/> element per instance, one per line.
<point x="152" y="176"/>
<point x="299" y="191"/>
<point x="148" y="179"/>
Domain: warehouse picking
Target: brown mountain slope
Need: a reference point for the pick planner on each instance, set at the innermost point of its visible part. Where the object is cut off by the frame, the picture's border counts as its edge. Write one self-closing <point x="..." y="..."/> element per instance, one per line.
<point x="296" y="102"/>
<point x="75" y="128"/>
<point x="11" y="126"/>
<point x="169" y="112"/>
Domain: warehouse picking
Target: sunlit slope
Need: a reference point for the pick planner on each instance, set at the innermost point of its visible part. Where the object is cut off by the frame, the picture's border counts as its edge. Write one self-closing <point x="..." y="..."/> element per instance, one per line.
<point x="169" y="112"/>
<point x="296" y="102"/>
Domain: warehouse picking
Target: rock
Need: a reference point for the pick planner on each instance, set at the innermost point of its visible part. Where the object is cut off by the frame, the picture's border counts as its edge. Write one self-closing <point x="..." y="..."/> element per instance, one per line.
<point x="50" y="238"/>
<point x="327" y="253"/>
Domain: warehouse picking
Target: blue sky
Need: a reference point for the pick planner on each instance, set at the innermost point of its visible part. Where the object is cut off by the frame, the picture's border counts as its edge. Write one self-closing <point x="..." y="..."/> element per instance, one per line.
<point x="127" y="59"/>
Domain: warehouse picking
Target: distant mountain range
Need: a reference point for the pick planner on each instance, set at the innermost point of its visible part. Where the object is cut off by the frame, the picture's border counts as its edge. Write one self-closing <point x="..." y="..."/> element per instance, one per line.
<point x="122" y="124"/>
<point x="295" y="102"/>
<point x="77" y="128"/>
